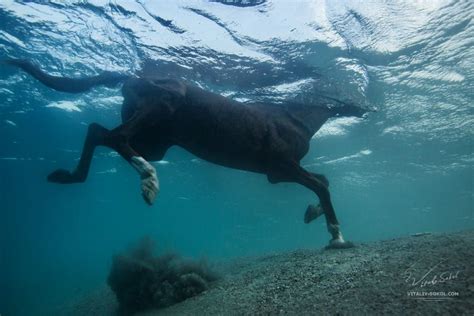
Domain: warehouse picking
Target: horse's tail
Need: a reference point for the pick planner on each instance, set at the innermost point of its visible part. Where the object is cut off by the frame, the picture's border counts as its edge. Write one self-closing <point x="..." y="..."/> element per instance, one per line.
<point x="72" y="85"/>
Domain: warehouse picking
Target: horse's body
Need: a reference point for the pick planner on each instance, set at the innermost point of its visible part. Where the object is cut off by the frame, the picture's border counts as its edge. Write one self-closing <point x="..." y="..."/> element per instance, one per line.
<point x="266" y="138"/>
<point x="244" y="136"/>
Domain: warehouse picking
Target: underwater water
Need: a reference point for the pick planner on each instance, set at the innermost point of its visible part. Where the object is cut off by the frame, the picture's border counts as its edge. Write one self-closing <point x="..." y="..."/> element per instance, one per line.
<point x="404" y="169"/>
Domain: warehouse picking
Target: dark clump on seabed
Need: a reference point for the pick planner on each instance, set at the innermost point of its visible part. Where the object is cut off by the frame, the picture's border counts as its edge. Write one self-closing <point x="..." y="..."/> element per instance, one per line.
<point x="141" y="280"/>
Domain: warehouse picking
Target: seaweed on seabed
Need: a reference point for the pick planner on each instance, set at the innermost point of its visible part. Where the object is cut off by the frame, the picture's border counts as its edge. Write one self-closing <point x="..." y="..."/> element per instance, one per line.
<point x="141" y="280"/>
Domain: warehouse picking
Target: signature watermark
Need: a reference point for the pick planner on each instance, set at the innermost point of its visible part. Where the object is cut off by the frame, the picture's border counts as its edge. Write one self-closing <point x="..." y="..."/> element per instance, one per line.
<point x="425" y="283"/>
<point x="433" y="295"/>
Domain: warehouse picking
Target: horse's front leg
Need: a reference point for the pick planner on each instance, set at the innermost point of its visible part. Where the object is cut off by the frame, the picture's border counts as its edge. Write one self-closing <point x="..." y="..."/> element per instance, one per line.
<point x="150" y="184"/>
<point x="96" y="135"/>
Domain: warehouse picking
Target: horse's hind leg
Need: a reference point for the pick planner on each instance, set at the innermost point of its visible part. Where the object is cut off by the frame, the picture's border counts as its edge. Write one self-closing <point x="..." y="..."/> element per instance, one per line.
<point x="321" y="177"/>
<point x="117" y="139"/>
<point x="313" y="211"/>
<point x="294" y="172"/>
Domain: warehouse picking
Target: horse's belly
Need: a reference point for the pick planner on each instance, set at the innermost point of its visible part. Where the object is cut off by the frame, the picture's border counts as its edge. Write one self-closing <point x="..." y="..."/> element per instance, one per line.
<point x="229" y="158"/>
<point x="239" y="149"/>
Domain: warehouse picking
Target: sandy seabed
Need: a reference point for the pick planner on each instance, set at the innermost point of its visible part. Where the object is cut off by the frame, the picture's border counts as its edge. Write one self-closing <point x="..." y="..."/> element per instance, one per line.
<point x="428" y="274"/>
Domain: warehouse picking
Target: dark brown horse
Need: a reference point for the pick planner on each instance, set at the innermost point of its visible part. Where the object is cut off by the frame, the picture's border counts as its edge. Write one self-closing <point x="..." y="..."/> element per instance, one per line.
<point x="159" y="113"/>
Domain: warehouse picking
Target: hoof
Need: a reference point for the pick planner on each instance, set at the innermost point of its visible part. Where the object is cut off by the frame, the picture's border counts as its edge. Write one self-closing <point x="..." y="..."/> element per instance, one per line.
<point x="312" y="212"/>
<point x="339" y="244"/>
<point x="61" y="176"/>
<point x="150" y="184"/>
<point x="150" y="189"/>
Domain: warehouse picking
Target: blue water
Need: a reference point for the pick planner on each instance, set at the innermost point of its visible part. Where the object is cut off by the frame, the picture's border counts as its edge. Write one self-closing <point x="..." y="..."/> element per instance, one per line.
<point x="406" y="168"/>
